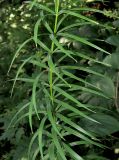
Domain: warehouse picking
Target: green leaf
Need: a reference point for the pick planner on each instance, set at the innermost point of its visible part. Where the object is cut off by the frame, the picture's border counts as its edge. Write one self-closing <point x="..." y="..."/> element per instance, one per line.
<point x="72" y="26"/>
<point x="36" y="30"/>
<point x="77" y="87"/>
<point x="82" y="40"/>
<point x="35" y="154"/>
<point x="70" y="97"/>
<point x="86" y="69"/>
<point x="113" y="40"/>
<point x="18" y="72"/>
<point x="94" y="10"/>
<point x="73" y="109"/>
<point x="52" y="119"/>
<point x="61" y="21"/>
<point x="77" y="134"/>
<point x="33" y="99"/>
<point x="40" y="134"/>
<point x="107" y="126"/>
<point x="116" y="23"/>
<point x="17" y="52"/>
<point x="74" y="125"/>
<point x="30" y="116"/>
<point x="60" y="150"/>
<point x="55" y="70"/>
<point x="68" y="53"/>
<point x="113" y="60"/>
<point x="83" y="55"/>
<point x="31" y="143"/>
<point x="43" y="7"/>
<point x="72" y="152"/>
<point x="40" y="43"/>
<point x="94" y="157"/>
<point x="106" y="85"/>
<point x="15" y="116"/>
<point x="72" y="13"/>
<point x="48" y="27"/>
<point x="27" y="80"/>
<point x="51" y="151"/>
<point x="38" y="63"/>
<point x="27" y="115"/>
<point x="78" y="79"/>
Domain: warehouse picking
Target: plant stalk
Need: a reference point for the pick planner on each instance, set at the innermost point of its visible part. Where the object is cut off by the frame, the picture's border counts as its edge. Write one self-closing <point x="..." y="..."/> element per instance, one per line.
<point x="52" y="48"/>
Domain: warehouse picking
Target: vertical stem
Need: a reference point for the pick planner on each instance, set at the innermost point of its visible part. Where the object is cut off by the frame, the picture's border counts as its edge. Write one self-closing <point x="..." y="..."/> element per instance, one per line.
<point x="52" y="48"/>
<point x="116" y="92"/>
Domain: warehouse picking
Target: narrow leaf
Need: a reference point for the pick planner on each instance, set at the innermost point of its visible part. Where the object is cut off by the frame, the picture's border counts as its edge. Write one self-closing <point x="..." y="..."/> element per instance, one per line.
<point x="33" y="99"/>
<point x="72" y="13"/>
<point x="31" y="143"/>
<point x="45" y="8"/>
<point x="72" y="152"/>
<point x="36" y="30"/>
<point x="18" y="72"/>
<point x="74" y="125"/>
<point x="68" y="53"/>
<point x="58" y="146"/>
<point x="69" y="97"/>
<point x="83" y="40"/>
<point x="17" y="52"/>
<point x="15" y="116"/>
<point x="40" y="134"/>
<point x="52" y="120"/>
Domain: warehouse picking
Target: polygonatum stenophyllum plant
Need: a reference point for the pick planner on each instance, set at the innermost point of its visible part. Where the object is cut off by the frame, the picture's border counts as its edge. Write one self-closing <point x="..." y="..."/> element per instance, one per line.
<point x="53" y="107"/>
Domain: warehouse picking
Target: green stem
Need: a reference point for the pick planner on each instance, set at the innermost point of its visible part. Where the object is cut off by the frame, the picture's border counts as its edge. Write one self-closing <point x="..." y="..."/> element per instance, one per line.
<point x="52" y="49"/>
<point x="116" y="92"/>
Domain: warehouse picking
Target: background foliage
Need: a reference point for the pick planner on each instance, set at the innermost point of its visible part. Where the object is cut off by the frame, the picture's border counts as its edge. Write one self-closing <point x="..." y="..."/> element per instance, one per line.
<point x="17" y="25"/>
